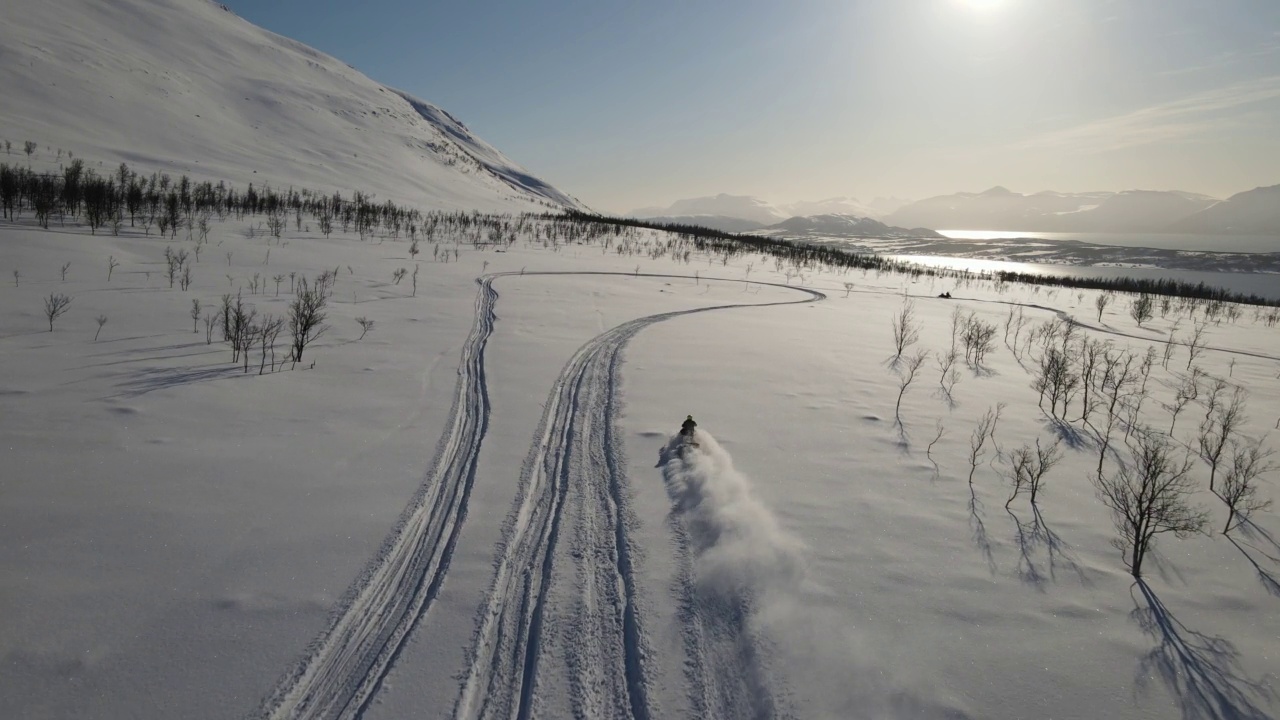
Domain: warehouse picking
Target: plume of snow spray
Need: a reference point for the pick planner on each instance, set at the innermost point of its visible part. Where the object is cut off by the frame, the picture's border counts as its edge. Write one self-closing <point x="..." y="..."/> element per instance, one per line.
<point x="742" y="558"/>
<point x="739" y="549"/>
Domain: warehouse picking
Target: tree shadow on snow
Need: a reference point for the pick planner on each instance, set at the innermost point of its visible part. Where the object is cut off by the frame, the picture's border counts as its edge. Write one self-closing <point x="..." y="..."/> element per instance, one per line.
<point x="151" y="379"/>
<point x="1265" y="576"/>
<point x="980" y="530"/>
<point x="1032" y="537"/>
<point x="1202" y="672"/>
<point x="1070" y="435"/>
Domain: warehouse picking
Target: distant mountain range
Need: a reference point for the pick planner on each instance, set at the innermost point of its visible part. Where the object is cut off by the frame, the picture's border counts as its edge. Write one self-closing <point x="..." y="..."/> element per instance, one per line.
<point x="743" y="213"/>
<point x="1253" y="212"/>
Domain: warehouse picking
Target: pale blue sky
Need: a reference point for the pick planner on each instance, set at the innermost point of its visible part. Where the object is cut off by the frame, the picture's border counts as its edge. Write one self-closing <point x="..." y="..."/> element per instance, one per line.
<point x="627" y="104"/>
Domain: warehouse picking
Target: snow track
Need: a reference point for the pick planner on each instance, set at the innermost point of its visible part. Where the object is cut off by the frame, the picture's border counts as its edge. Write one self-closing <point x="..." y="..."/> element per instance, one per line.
<point x="565" y="610"/>
<point x="344" y="668"/>
<point x="563" y="605"/>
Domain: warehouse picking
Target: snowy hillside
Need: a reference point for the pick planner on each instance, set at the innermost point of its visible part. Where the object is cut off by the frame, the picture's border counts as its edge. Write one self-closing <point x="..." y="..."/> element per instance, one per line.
<point x="186" y="86"/>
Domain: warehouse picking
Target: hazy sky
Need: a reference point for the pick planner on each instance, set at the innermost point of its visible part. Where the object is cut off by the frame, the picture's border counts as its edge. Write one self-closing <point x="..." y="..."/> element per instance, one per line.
<point x="627" y="104"/>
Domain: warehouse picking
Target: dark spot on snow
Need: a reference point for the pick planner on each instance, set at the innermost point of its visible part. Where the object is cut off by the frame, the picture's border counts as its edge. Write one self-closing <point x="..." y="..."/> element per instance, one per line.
<point x="871" y="418"/>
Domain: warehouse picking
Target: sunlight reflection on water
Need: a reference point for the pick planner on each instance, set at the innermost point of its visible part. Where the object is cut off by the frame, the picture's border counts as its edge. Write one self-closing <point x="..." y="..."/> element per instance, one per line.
<point x="1167" y="241"/>
<point x="1263" y="285"/>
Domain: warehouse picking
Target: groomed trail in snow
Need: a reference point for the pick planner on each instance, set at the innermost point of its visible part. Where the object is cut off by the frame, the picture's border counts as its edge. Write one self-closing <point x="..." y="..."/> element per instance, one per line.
<point x="344" y="668"/>
<point x="571" y="478"/>
<point x="573" y="473"/>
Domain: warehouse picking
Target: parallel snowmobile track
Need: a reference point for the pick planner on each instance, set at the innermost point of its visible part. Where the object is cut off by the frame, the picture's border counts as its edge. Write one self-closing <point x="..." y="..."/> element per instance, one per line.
<point x="573" y="469"/>
<point x="575" y="458"/>
<point x="346" y="665"/>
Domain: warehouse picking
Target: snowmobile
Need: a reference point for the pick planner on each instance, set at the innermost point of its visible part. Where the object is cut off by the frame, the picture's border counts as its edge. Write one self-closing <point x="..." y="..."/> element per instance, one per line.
<point x="687" y="431"/>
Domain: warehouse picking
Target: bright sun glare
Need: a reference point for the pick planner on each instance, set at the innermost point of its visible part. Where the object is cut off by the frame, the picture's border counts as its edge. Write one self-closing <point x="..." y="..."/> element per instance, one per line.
<point x="983" y="5"/>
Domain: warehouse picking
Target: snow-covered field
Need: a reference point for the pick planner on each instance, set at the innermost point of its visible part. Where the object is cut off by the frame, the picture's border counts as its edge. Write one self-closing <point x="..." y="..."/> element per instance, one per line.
<point x="479" y="509"/>
<point x="476" y="510"/>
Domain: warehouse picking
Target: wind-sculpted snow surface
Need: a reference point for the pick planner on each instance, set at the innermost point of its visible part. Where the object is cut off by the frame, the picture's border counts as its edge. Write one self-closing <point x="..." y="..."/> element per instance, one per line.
<point x="737" y="560"/>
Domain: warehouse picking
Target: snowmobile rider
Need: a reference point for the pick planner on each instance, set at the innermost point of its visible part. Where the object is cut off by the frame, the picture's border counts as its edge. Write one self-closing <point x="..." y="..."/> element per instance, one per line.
<point x="686" y="428"/>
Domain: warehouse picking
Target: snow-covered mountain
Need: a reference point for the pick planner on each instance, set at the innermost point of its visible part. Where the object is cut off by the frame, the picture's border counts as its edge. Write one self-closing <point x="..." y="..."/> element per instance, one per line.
<point x="843" y="226"/>
<point x="877" y="208"/>
<point x="1001" y="209"/>
<point x="1255" y="211"/>
<point x="187" y="86"/>
<point x="741" y="207"/>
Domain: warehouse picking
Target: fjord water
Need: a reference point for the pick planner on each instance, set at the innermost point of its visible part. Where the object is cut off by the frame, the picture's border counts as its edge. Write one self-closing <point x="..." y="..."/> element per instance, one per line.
<point x="1265" y="285"/>
<point x="1165" y="241"/>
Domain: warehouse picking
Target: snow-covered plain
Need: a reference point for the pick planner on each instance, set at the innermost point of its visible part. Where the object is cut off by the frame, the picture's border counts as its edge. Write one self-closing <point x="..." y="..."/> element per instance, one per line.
<point x="176" y="533"/>
<point x="477" y="509"/>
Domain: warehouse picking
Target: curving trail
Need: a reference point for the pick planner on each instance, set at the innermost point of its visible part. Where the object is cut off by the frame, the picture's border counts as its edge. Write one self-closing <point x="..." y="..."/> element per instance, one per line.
<point x="346" y="665"/>
<point x="583" y="580"/>
<point x="571" y="516"/>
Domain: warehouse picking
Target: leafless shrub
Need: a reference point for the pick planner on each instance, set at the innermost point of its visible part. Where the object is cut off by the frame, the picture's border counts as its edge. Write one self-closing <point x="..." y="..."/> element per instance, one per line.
<point x="276" y="223"/>
<point x="195" y="315"/>
<point x="267" y="332"/>
<point x="210" y="322"/>
<point x="65" y="268"/>
<point x="905" y="330"/>
<point x="112" y="264"/>
<point x="1102" y="301"/>
<point x="1240" y="482"/>
<point x="1116" y="383"/>
<point x="1149" y="497"/>
<point x="55" y="306"/>
<point x="101" y="320"/>
<point x="1195" y="344"/>
<point x="978" y="338"/>
<point x="365" y="326"/>
<point x="1188" y="389"/>
<point x="307" y="315"/>
<point x="928" y="451"/>
<point x="1056" y="378"/>
<point x="1091" y="354"/>
<point x="1218" y="430"/>
<point x="241" y="334"/>
<point x="1142" y="308"/>
<point x="908" y="373"/>
<point x="978" y="439"/>
<point x="1028" y="468"/>
<point x="957" y="323"/>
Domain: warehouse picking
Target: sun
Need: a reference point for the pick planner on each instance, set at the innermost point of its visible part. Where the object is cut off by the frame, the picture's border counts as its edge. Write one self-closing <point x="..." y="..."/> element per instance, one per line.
<point x="983" y="5"/>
